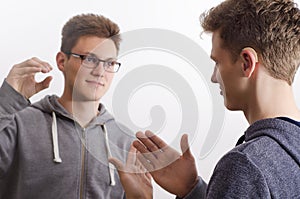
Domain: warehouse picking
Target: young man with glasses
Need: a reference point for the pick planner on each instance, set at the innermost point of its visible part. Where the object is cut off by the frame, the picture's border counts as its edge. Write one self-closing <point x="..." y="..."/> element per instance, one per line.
<point x="256" y="50"/>
<point x="59" y="147"/>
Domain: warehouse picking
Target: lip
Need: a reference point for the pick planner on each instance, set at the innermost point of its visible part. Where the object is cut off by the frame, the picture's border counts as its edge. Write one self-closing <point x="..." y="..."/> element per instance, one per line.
<point x="221" y="91"/>
<point x="95" y="83"/>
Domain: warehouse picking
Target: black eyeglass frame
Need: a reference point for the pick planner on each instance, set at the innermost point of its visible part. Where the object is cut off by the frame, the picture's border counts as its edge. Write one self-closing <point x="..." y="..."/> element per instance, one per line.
<point x="105" y="63"/>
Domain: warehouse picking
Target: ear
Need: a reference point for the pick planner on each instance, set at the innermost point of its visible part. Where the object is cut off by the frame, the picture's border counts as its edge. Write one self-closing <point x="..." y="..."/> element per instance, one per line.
<point x="60" y="60"/>
<point x="249" y="58"/>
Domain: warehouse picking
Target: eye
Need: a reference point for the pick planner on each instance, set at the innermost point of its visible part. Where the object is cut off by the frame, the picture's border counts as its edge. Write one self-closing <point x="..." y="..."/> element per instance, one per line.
<point x="90" y="59"/>
<point x="111" y="63"/>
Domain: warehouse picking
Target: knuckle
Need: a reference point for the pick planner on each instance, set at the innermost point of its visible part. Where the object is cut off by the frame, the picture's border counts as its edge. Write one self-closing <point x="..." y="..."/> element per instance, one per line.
<point x="152" y="147"/>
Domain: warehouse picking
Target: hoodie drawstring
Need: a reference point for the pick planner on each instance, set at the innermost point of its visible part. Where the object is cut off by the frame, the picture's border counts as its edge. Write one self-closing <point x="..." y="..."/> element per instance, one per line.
<point x="111" y="166"/>
<point x="56" y="159"/>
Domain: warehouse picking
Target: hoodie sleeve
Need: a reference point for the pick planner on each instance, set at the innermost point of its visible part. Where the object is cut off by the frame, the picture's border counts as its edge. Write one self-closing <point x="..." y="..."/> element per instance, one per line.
<point x="10" y="100"/>
<point x="10" y="103"/>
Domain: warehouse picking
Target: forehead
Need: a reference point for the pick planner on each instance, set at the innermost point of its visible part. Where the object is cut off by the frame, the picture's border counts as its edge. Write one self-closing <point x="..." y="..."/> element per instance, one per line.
<point x="219" y="50"/>
<point x="216" y="43"/>
<point x="103" y="47"/>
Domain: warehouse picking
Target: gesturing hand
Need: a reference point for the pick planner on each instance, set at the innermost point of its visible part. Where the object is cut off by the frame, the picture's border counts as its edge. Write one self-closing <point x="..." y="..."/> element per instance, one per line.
<point x="22" y="77"/>
<point x="174" y="172"/>
<point x="135" y="180"/>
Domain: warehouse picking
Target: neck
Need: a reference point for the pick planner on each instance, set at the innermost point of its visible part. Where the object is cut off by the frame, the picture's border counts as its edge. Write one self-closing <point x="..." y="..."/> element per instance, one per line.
<point x="271" y="98"/>
<point x="82" y="111"/>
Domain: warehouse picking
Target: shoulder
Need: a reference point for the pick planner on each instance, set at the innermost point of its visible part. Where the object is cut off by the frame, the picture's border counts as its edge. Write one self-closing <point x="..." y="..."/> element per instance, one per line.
<point x="236" y="162"/>
<point x="236" y="175"/>
<point x="38" y="111"/>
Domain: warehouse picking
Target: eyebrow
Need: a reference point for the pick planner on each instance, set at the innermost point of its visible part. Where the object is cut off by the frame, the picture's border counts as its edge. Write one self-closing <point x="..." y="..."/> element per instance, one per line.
<point x="106" y="59"/>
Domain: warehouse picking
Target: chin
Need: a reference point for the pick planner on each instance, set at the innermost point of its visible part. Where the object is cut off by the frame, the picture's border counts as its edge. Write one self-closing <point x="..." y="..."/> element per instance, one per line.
<point x="228" y="105"/>
<point x="232" y="107"/>
<point x="88" y="96"/>
<point x="93" y="98"/>
<point x="96" y="94"/>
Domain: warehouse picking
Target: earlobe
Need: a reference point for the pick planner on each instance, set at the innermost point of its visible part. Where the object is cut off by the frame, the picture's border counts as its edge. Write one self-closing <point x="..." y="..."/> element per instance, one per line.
<point x="249" y="59"/>
<point x="60" y="60"/>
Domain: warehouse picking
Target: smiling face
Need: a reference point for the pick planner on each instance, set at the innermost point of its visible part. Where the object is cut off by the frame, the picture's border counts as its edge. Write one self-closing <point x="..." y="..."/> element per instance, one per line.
<point x="228" y="73"/>
<point x="87" y="84"/>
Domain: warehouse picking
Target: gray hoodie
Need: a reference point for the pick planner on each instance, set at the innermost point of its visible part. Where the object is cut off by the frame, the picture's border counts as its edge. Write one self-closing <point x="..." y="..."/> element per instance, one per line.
<point x="44" y="153"/>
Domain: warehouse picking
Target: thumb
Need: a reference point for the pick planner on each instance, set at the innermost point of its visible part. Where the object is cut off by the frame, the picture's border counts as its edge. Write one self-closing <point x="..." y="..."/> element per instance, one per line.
<point x="185" y="148"/>
<point x="43" y="84"/>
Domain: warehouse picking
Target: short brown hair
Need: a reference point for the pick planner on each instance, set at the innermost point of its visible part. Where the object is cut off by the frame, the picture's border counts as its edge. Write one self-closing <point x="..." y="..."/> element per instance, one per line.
<point x="88" y="25"/>
<point x="271" y="27"/>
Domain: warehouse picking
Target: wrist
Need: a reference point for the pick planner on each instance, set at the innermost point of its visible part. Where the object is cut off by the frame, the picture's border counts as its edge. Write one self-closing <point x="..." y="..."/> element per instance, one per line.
<point x="189" y="188"/>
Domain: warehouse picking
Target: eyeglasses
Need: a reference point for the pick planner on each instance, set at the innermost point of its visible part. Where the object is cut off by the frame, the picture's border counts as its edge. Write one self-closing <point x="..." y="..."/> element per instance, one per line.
<point x="91" y="61"/>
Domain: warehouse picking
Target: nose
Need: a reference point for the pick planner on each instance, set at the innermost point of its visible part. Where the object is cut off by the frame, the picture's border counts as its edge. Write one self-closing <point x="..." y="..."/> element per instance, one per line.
<point x="99" y="70"/>
<point x="213" y="78"/>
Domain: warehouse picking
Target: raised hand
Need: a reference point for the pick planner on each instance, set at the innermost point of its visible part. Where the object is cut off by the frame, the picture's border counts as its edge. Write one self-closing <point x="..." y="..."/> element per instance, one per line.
<point x="22" y="77"/>
<point x="135" y="180"/>
<point x="174" y="172"/>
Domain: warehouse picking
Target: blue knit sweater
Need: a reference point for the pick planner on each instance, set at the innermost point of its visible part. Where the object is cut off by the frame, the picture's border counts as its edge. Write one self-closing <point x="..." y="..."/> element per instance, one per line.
<point x="266" y="166"/>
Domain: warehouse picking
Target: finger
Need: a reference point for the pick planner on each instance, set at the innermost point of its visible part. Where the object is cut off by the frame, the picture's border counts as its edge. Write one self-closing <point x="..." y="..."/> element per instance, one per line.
<point x="156" y="140"/>
<point x="29" y="67"/>
<point x="25" y="70"/>
<point x="117" y="163"/>
<point x="131" y="158"/>
<point x="45" y="65"/>
<point x="149" y="155"/>
<point x="35" y="62"/>
<point x="139" y="164"/>
<point x="145" y="162"/>
<point x="140" y="167"/>
<point x="148" y="175"/>
<point x="147" y="142"/>
<point x="43" y="84"/>
<point x="185" y="148"/>
<point x="140" y="146"/>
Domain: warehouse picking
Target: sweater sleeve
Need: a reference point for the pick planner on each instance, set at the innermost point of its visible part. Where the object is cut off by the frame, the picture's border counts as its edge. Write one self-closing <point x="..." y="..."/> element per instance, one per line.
<point x="236" y="176"/>
<point x="10" y="100"/>
<point x="198" y="192"/>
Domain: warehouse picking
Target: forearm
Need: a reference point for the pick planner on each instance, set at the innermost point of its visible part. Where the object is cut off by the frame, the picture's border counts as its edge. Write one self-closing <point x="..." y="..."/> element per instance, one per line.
<point x="10" y="100"/>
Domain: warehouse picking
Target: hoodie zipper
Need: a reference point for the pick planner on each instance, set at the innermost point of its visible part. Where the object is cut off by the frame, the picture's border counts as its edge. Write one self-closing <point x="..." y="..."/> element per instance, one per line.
<point x="82" y="163"/>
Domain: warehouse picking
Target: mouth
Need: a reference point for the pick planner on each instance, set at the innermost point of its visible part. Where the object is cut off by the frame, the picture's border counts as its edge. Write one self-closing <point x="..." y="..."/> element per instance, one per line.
<point x="96" y="83"/>
<point x="221" y="92"/>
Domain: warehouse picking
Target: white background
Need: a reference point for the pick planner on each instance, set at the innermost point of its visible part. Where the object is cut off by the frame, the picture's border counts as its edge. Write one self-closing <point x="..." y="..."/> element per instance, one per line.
<point x="32" y="28"/>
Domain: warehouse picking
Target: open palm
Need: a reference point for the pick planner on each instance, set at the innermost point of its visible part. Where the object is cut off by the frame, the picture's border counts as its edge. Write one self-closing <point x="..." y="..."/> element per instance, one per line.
<point x="173" y="171"/>
<point x="135" y="180"/>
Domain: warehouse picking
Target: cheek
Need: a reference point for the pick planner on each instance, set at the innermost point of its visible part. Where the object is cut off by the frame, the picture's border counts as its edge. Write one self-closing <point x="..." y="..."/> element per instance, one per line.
<point x="78" y="75"/>
<point x="109" y="77"/>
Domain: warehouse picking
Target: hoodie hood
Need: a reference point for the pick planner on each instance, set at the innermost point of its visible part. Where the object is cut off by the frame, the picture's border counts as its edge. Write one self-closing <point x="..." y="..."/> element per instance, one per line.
<point x="50" y="104"/>
<point x="285" y="133"/>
